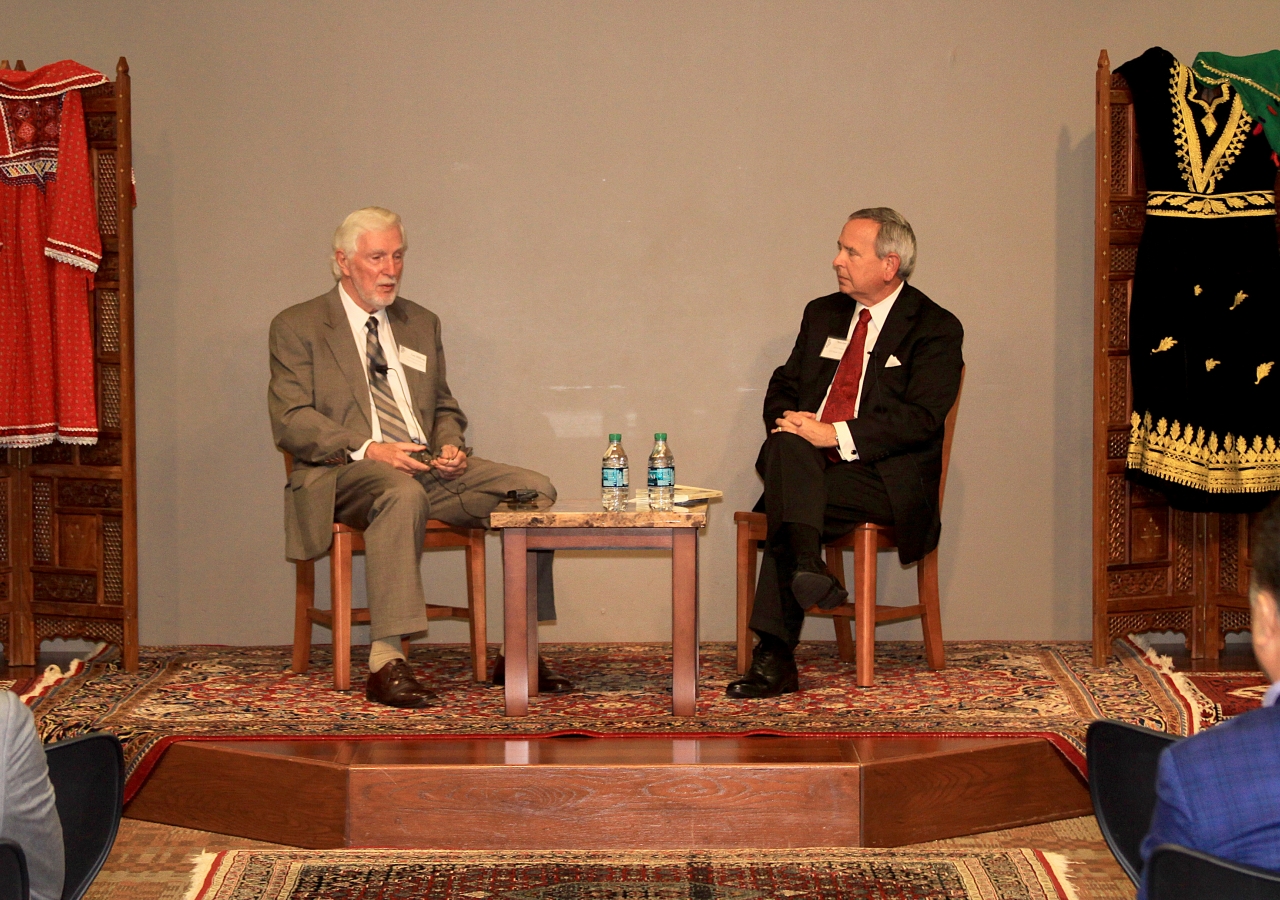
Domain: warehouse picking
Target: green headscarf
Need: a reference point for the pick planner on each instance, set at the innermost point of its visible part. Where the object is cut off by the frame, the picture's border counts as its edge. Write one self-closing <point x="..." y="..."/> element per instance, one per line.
<point x="1257" y="78"/>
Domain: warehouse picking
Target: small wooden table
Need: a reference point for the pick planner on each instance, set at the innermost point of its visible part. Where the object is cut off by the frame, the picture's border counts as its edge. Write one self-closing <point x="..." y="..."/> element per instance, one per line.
<point x="583" y="525"/>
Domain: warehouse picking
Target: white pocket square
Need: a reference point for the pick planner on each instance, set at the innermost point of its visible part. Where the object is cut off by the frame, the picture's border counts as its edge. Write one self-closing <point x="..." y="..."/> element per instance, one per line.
<point x="892" y="361"/>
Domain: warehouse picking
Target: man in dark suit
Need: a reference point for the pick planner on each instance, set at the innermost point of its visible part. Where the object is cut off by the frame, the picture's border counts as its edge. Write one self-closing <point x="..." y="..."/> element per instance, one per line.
<point x="1219" y="791"/>
<point x="358" y="396"/>
<point x="855" y="420"/>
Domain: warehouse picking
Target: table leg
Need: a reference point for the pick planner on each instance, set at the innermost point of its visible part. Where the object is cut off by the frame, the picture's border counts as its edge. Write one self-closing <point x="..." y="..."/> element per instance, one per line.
<point x="531" y="618"/>
<point x="515" y="611"/>
<point x="684" y="620"/>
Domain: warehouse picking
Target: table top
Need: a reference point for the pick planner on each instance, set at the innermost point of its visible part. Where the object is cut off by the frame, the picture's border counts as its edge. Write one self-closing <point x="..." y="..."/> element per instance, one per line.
<point x="590" y="514"/>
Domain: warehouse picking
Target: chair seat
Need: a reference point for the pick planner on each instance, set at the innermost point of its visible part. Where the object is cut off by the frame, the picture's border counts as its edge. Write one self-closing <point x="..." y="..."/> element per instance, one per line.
<point x="340" y="616"/>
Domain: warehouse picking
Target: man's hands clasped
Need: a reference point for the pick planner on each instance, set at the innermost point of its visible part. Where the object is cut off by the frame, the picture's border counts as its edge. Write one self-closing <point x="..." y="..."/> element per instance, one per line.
<point x="806" y="424"/>
<point x="451" y="463"/>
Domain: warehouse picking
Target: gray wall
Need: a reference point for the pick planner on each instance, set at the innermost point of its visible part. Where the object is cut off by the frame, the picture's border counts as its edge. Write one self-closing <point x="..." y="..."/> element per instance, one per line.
<point x="619" y="211"/>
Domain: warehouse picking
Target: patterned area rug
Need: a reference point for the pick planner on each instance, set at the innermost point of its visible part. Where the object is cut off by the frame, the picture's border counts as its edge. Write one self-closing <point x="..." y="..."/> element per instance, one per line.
<point x="988" y="688"/>
<point x="1226" y="693"/>
<point x="742" y="875"/>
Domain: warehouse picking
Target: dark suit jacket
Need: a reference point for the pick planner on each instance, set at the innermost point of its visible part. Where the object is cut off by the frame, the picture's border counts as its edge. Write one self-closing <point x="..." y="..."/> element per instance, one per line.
<point x="1219" y="792"/>
<point x="899" y="427"/>
<point x="319" y="403"/>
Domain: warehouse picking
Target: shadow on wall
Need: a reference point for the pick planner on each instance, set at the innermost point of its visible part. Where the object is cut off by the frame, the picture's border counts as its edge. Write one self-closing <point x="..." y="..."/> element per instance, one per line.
<point x="1073" y="387"/>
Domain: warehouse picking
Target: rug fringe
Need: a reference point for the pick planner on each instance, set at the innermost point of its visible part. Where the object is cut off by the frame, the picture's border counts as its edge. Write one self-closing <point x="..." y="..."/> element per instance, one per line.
<point x="1060" y="865"/>
<point x="1203" y="712"/>
<point x="51" y="678"/>
<point x="200" y="875"/>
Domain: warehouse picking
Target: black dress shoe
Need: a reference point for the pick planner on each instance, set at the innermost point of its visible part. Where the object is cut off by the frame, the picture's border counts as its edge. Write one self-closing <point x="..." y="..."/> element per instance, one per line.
<point x="548" y="682"/>
<point x="772" y="673"/>
<point x="394" y="685"/>
<point x="813" y="585"/>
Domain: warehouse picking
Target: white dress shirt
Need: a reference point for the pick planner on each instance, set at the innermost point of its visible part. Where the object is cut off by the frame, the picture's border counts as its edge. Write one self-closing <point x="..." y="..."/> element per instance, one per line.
<point x="399" y="386"/>
<point x="879" y="312"/>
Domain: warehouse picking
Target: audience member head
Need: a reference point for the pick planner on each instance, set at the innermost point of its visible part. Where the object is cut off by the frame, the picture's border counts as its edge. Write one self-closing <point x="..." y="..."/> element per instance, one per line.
<point x="1264" y="590"/>
<point x="895" y="237"/>
<point x="368" y="256"/>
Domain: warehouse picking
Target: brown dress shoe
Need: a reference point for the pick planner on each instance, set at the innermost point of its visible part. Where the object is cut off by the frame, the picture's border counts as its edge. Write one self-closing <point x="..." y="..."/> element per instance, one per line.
<point x="548" y="682"/>
<point x="394" y="685"/>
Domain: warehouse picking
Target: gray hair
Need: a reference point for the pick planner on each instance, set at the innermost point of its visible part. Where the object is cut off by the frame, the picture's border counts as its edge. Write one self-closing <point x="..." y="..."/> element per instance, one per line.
<point x="895" y="237"/>
<point x="371" y="218"/>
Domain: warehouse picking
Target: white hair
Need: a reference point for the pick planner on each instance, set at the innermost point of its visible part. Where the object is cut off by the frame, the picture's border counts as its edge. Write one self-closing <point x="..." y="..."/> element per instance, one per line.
<point x="371" y="218"/>
<point x="895" y="237"/>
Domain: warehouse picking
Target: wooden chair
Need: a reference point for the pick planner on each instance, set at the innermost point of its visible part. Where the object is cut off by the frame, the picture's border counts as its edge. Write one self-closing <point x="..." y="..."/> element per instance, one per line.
<point x="340" y="616"/>
<point x="866" y="541"/>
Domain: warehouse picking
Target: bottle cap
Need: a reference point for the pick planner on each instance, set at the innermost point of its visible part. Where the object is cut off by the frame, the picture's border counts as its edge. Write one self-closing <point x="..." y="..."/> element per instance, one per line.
<point x="660" y="436"/>
<point x="614" y="437"/>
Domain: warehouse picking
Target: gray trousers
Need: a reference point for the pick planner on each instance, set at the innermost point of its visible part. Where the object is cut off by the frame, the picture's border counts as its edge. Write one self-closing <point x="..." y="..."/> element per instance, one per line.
<point x="392" y="508"/>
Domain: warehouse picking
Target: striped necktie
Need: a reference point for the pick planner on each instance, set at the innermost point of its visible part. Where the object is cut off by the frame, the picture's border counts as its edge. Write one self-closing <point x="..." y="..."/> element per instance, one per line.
<point x="389" y="419"/>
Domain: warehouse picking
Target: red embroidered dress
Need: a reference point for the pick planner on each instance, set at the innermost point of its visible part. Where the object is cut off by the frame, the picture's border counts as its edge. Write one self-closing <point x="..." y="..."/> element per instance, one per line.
<point x="49" y="251"/>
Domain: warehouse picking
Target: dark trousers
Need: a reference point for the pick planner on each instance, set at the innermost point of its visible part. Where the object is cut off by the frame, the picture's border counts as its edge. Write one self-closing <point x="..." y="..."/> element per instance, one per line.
<point x="802" y="486"/>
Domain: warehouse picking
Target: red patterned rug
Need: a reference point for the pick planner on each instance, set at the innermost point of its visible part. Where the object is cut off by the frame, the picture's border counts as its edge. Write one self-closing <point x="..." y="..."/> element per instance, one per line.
<point x="988" y="688"/>
<point x="827" y="874"/>
<point x="1229" y="693"/>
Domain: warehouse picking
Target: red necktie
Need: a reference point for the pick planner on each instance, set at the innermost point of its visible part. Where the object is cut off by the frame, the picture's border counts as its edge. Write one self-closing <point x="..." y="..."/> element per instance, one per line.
<point x="842" y="399"/>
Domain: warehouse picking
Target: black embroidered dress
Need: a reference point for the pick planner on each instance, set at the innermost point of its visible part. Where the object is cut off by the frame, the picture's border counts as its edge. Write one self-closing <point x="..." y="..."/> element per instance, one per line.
<point x="1205" y="312"/>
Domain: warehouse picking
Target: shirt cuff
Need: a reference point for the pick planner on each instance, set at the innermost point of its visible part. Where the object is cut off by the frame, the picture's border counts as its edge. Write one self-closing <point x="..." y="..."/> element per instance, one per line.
<point x="359" y="454"/>
<point x="844" y="441"/>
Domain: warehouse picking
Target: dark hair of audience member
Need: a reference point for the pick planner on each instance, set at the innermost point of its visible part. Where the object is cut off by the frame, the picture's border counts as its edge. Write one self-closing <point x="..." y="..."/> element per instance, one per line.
<point x="1266" y="550"/>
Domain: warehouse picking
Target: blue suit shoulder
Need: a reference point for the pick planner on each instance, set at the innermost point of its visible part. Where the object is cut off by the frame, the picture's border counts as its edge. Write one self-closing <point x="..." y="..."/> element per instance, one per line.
<point x="1228" y="740"/>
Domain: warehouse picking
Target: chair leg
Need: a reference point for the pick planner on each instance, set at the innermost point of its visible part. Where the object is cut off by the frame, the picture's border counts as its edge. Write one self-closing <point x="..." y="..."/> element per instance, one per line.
<point x="844" y="627"/>
<point x="746" y="593"/>
<point x="304" y="599"/>
<point x="864" y="604"/>
<point x="931" y="614"/>
<point x="476" y="604"/>
<point x="405" y="645"/>
<point x="340" y="592"/>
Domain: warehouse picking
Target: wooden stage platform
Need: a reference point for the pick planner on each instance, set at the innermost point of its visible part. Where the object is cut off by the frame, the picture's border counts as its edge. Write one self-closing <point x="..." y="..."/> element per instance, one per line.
<point x="611" y="792"/>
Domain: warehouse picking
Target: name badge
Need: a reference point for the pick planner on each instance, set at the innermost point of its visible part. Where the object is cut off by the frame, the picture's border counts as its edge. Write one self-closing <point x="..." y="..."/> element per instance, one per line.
<point x="412" y="358"/>
<point x="834" y="348"/>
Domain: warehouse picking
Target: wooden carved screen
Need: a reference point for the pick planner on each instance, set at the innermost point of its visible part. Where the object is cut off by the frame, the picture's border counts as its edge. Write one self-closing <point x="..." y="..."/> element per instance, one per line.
<point x="68" y="539"/>
<point x="1155" y="568"/>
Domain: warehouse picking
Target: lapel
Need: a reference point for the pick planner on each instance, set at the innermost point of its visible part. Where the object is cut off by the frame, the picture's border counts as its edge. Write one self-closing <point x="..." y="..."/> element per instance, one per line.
<point x="343" y="348"/>
<point x="416" y="382"/>
<point x="837" y="327"/>
<point x="899" y="322"/>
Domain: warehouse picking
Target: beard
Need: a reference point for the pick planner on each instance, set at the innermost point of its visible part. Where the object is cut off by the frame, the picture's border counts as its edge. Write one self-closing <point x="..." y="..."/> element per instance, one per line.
<point x="374" y="299"/>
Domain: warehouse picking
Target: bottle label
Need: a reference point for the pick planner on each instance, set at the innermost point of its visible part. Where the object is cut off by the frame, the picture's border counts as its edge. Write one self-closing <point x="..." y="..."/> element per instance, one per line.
<point x="614" y="478"/>
<point x="662" y="477"/>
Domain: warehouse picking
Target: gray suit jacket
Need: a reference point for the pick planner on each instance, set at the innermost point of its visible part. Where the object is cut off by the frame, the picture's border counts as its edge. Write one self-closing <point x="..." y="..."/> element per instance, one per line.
<point x="28" y="814"/>
<point x="319" y="404"/>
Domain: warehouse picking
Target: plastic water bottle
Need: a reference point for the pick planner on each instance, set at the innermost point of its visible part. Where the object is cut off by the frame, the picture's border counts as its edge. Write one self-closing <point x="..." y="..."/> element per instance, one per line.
<point x="662" y="474"/>
<point x="614" y="476"/>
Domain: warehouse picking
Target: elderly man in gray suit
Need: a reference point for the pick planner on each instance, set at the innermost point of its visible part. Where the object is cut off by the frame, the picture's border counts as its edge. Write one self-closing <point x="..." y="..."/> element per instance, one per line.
<point x="358" y="396"/>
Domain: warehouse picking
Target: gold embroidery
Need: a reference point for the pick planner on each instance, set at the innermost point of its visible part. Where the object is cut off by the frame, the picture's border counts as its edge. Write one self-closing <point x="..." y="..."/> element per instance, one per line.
<point x="1263" y="371"/>
<point x="1210" y="363"/>
<point x="1241" y="296"/>
<point x="1186" y="456"/>
<point x="1226" y="76"/>
<point x="1199" y="290"/>
<point x="1211" y="206"/>
<point x="1201" y="173"/>
<point x="1165" y="344"/>
<point x="1210" y="122"/>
